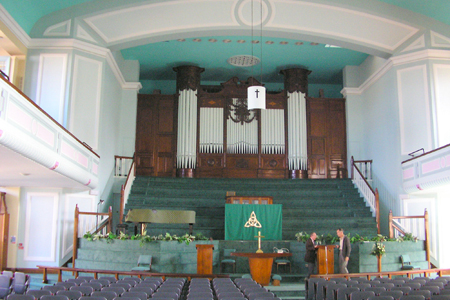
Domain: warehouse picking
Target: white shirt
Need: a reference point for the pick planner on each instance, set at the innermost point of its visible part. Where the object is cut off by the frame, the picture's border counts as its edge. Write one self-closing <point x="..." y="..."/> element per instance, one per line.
<point x="341" y="242"/>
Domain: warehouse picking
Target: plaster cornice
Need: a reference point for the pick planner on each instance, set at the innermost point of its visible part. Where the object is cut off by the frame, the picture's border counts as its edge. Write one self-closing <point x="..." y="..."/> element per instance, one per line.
<point x="74" y="44"/>
<point x="427" y="54"/>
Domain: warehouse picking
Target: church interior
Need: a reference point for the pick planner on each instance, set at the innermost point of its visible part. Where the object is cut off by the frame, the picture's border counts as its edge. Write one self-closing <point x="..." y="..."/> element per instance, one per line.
<point x="191" y="134"/>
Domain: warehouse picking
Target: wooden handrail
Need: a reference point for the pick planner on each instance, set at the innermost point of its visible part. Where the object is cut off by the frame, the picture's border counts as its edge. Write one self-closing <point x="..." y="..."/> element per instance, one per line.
<point x="126" y="157"/>
<point x="76" y="271"/>
<point x="377" y="214"/>
<point x="388" y="274"/>
<point x="124" y="187"/>
<point x="375" y="193"/>
<point x="106" y="223"/>
<point x="426" y="153"/>
<point x="392" y="226"/>
<point x="48" y="116"/>
<point x="365" y="180"/>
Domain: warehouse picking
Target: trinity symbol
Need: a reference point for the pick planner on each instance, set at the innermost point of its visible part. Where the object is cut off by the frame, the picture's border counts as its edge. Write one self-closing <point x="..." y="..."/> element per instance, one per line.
<point x="252" y="221"/>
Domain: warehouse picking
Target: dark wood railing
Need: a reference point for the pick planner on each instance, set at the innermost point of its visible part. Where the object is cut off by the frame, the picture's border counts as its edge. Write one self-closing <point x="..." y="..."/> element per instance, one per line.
<point x="106" y="223"/>
<point x="389" y="274"/>
<point x="393" y="226"/>
<point x="76" y="271"/>
<point x="371" y="196"/>
<point x="125" y="189"/>
<point x="122" y="165"/>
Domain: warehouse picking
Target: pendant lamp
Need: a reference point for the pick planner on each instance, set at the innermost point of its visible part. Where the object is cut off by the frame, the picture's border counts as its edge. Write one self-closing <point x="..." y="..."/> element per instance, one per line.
<point x="256" y="94"/>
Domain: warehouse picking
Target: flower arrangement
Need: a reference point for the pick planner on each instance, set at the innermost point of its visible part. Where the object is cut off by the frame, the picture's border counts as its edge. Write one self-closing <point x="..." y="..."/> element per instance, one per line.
<point x="378" y="249"/>
<point x="144" y="238"/>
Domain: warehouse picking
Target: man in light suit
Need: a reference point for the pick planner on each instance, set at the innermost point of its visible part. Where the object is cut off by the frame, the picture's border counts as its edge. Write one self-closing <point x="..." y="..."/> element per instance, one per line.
<point x="344" y="250"/>
<point x="310" y="255"/>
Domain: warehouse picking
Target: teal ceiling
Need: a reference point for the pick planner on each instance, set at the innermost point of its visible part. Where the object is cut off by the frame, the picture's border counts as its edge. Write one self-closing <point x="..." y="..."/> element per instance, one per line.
<point x="27" y="12"/>
<point x="158" y="59"/>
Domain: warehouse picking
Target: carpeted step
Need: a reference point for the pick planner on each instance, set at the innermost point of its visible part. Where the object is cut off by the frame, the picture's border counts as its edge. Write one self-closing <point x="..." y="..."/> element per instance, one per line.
<point x="318" y="205"/>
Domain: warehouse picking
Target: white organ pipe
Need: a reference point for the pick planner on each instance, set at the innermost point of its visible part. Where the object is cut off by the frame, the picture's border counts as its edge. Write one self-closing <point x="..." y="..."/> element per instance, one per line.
<point x="242" y="139"/>
<point x="211" y="130"/>
<point x="272" y="131"/>
<point x="297" y="139"/>
<point x="187" y="129"/>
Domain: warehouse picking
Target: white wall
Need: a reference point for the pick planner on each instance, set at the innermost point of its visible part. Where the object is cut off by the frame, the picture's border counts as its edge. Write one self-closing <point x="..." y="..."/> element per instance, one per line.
<point x="391" y="111"/>
<point x="13" y="205"/>
<point x="99" y="111"/>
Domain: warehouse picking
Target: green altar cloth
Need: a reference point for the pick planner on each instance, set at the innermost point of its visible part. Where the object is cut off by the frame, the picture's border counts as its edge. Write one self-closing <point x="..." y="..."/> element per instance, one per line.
<point x="160" y="216"/>
<point x="237" y="215"/>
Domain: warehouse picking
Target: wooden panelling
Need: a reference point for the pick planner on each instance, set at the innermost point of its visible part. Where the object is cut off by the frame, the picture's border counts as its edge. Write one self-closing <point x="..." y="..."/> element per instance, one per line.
<point x="242" y="166"/>
<point x="155" y="135"/>
<point x="273" y="161"/>
<point x="144" y="164"/>
<point x="327" y="145"/>
<point x="210" y="165"/>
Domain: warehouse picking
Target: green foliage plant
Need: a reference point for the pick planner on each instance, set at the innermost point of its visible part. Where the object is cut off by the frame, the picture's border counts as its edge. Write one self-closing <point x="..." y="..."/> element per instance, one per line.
<point x="144" y="238"/>
<point x="330" y="239"/>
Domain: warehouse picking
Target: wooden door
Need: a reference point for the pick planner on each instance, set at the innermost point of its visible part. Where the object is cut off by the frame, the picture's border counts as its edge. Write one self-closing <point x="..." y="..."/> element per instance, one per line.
<point x="155" y="135"/>
<point x="327" y="142"/>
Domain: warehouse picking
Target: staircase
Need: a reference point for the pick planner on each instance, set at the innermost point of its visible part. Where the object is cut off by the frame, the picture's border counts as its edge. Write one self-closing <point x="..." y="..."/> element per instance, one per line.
<point x="319" y="205"/>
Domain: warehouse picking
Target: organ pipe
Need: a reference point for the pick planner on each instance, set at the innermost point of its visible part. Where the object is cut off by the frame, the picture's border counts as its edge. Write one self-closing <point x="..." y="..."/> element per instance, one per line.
<point x="242" y="138"/>
<point x="297" y="146"/>
<point x="211" y="130"/>
<point x="187" y="129"/>
<point x="272" y="131"/>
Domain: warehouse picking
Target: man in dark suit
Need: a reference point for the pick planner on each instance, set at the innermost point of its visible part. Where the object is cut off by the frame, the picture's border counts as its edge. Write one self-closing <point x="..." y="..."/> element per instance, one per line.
<point x="310" y="255"/>
<point x="344" y="250"/>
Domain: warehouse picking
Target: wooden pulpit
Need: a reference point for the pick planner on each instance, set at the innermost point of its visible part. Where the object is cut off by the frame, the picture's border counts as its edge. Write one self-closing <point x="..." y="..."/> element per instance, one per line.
<point x="325" y="259"/>
<point x="204" y="259"/>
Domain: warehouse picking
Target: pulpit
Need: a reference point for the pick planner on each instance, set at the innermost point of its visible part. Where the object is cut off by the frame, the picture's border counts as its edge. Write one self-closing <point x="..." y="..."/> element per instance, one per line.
<point x="204" y="258"/>
<point x="325" y="259"/>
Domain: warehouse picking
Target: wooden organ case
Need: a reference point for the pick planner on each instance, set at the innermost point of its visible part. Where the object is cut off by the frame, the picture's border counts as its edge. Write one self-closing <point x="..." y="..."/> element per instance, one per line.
<point x="240" y="155"/>
<point x="232" y="142"/>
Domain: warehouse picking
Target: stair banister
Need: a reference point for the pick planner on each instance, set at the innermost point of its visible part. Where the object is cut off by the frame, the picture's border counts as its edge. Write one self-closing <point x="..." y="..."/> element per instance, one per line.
<point x="126" y="188"/>
<point x="393" y="226"/>
<point x="370" y="196"/>
<point x="105" y="223"/>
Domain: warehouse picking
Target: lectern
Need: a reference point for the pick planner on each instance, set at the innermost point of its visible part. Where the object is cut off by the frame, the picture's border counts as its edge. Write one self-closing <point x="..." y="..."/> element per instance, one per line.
<point x="204" y="259"/>
<point x="325" y="259"/>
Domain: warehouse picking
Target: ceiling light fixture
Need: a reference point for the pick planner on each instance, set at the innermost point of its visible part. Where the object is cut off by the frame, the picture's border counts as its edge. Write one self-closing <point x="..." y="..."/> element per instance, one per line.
<point x="256" y="95"/>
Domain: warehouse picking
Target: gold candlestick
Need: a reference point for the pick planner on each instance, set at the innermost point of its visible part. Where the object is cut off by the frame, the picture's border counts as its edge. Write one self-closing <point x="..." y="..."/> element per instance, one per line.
<point x="259" y="236"/>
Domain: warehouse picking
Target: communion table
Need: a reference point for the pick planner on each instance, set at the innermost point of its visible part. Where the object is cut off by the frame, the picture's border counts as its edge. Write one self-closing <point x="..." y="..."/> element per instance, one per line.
<point x="261" y="264"/>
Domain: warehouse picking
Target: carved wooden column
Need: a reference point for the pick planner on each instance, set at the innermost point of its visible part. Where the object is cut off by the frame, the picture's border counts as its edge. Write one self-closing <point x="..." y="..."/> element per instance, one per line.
<point x="296" y="87"/>
<point x="188" y="83"/>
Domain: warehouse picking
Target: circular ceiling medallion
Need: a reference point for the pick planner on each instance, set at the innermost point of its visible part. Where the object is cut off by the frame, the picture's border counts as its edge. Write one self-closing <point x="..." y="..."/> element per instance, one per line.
<point x="262" y="12"/>
<point x="243" y="60"/>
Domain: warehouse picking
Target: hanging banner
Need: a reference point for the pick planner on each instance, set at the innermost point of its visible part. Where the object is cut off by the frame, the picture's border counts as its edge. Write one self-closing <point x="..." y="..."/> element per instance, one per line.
<point x="243" y="221"/>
